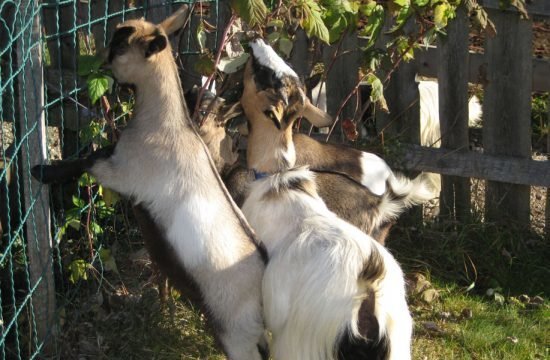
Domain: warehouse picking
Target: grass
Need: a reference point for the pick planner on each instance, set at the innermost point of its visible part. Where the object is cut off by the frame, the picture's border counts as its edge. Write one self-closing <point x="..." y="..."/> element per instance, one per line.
<point x="464" y="265"/>
<point x="456" y="267"/>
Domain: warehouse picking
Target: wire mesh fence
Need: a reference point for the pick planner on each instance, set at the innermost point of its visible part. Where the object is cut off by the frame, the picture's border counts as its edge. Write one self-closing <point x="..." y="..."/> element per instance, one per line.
<point x="46" y="113"/>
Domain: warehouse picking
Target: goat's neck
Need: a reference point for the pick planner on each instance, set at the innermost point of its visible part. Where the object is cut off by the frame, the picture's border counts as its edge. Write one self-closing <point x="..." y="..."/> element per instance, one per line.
<point x="270" y="150"/>
<point x="159" y="99"/>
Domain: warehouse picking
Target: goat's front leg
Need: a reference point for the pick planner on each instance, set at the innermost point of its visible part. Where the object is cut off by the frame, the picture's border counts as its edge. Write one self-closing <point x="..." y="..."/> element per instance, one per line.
<point x="109" y="172"/>
<point x="63" y="171"/>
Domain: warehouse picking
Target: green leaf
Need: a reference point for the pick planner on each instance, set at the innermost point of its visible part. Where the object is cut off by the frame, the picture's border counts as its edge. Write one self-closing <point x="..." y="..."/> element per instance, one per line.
<point x="443" y="12"/>
<point x="421" y="3"/>
<point x="110" y="197"/>
<point x="88" y="64"/>
<point x="205" y="65"/>
<point x="313" y="23"/>
<point x="78" y="202"/>
<point x="375" y="23"/>
<point x="86" y="180"/>
<point x="252" y="12"/>
<point x="231" y="65"/>
<point x="273" y="37"/>
<point x="377" y="92"/>
<point x="108" y="260"/>
<point x="201" y="37"/>
<point x="405" y="49"/>
<point x="77" y="270"/>
<point x="402" y="3"/>
<point x="285" y="46"/>
<point x="402" y="16"/>
<point x="95" y="228"/>
<point x="98" y="85"/>
<point x="276" y="23"/>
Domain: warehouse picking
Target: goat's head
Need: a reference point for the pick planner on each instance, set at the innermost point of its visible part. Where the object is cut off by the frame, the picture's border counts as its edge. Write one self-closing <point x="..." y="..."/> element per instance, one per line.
<point x="273" y="98"/>
<point x="273" y="89"/>
<point x="213" y="115"/>
<point x="138" y="46"/>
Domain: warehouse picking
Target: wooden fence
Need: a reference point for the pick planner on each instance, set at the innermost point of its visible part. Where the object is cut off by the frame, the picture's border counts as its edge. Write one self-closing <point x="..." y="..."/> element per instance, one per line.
<point x="509" y="75"/>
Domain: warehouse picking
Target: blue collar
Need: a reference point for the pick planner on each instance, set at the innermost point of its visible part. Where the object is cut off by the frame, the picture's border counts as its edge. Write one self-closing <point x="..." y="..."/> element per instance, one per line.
<point x="259" y="175"/>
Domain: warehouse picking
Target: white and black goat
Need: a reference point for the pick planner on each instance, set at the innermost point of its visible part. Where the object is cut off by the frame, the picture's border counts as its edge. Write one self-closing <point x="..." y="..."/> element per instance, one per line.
<point x="273" y="98"/>
<point x="161" y="163"/>
<point x="330" y="291"/>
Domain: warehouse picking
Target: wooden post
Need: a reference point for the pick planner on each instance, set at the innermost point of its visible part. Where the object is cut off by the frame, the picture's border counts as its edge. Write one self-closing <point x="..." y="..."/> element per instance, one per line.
<point x="403" y="120"/>
<point x="33" y="151"/>
<point x="343" y="76"/>
<point x="507" y="112"/>
<point x="300" y="54"/>
<point x="401" y="93"/>
<point x="452" y="76"/>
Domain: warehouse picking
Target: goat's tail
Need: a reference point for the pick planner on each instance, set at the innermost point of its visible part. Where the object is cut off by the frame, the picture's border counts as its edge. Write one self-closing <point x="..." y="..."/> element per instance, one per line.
<point x="403" y="193"/>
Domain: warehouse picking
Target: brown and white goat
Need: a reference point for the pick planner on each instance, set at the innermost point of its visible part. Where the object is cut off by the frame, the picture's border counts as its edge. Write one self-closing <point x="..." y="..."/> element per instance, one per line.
<point x="272" y="100"/>
<point x="161" y="163"/>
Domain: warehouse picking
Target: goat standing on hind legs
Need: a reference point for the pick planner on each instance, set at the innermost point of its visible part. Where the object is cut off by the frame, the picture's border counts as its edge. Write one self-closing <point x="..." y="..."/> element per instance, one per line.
<point x="161" y="163"/>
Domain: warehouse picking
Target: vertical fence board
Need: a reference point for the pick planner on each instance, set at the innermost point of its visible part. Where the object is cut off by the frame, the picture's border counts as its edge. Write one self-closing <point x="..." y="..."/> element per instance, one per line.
<point x="342" y="75"/>
<point x="299" y="56"/>
<point x="401" y="93"/>
<point x="507" y="111"/>
<point x="37" y="227"/>
<point x="453" y="111"/>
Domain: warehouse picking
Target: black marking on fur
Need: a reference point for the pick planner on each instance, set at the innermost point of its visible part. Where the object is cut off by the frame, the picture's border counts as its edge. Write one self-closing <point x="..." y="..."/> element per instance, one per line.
<point x="353" y="348"/>
<point x="347" y="176"/>
<point x="264" y="77"/>
<point x="289" y="116"/>
<point x="273" y="118"/>
<point x="119" y="42"/>
<point x="374" y="268"/>
<point x="367" y="346"/>
<point x="264" y="352"/>
<point x="64" y="171"/>
<point x="156" y="45"/>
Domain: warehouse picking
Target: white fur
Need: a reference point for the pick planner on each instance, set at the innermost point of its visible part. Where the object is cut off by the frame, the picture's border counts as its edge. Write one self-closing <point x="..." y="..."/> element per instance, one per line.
<point x="375" y="173"/>
<point x="319" y="96"/>
<point x="267" y="57"/>
<point x="430" y="129"/>
<point x="311" y="287"/>
<point x="162" y="163"/>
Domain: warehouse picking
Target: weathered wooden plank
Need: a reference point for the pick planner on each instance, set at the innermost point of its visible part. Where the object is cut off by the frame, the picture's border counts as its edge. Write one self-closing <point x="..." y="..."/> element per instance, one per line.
<point x="507" y="110"/>
<point x="342" y="76"/>
<point x="32" y="125"/>
<point x="453" y="111"/>
<point x="299" y="55"/>
<point x="537" y="7"/>
<point x="427" y="61"/>
<point x="401" y="93"/>
<point x="509" y="169"/>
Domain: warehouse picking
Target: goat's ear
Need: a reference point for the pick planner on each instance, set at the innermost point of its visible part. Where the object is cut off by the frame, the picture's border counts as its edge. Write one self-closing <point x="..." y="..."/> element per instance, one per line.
<point x="176" y="21"/>
<point x="316" y="116"/>
<point x="231" y="111"/>
<point x="156" y="45"/>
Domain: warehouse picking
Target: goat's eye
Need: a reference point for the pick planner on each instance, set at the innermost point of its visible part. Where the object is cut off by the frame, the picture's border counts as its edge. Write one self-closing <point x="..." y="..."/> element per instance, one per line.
<point x="270" y="114"/>
<point x="203" y="112"/>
